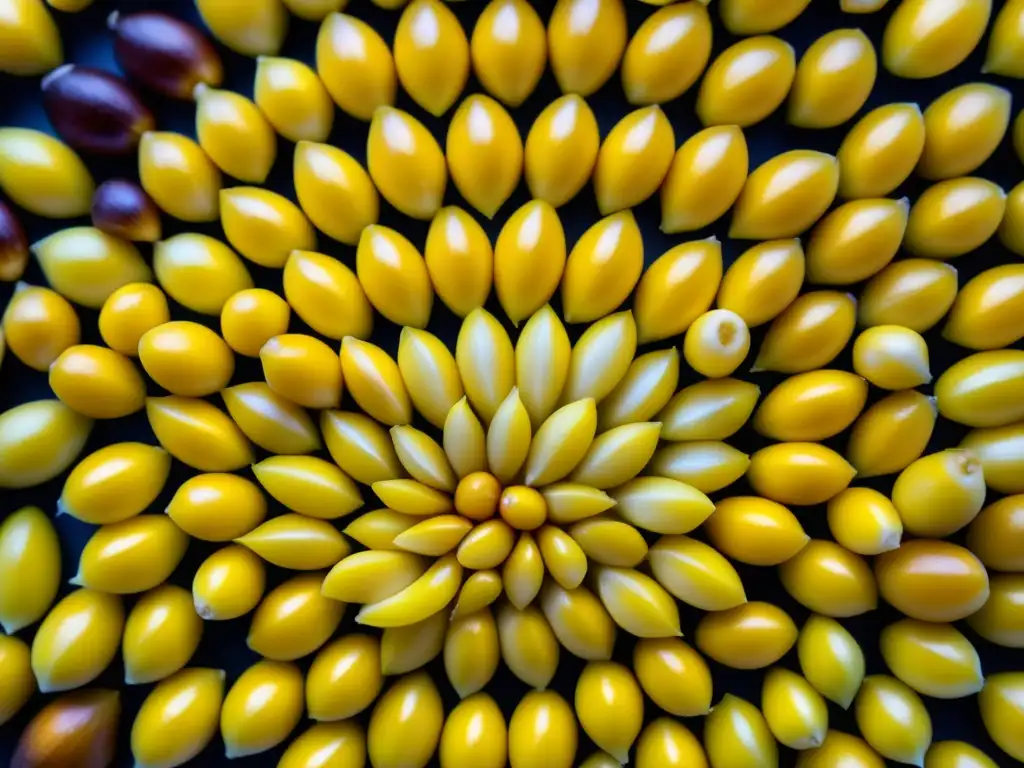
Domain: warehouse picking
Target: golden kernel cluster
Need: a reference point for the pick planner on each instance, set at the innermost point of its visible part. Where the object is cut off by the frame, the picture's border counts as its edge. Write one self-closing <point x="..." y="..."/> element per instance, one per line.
<point x="533" y="491"/>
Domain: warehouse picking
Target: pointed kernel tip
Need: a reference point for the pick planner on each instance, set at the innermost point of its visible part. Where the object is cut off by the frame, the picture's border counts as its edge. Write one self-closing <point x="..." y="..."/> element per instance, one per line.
<point x="113" y="19"/>
<point x="76" y="580"/>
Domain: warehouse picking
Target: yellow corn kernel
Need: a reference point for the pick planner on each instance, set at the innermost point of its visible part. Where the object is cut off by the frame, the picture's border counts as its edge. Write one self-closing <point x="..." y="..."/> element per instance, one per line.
<point x="198" y="434"/>
<point x="178" y="719"/>
<point x="309" y="486"/>
<point x="644" y="391"/>
<point x="486" y="362"/>
<point x="880" y="151"/>
<point x="601" y="358"/>
<point x="529" y="647"/>
<point x="748" y="17"/>
<point x="933" y="659"/>
<point x="334" y="191"/>
<point x="186" y="358"/>
<point x="1011" y="230"/>
<point x="523" y="573"/>
<point x="374" y="381"/>
<point x="755" y="531"/>
<point x="86" y="265"/>
<point x="637" y="603"/>
<point x="706" y="176"/>
<point x="405" y="726"/>
<point x="508" y="442"/>
<point x="716" y="343"/>
<point x="953" y="217"/>
<point x="373" y="575"/>
<point x="912" y="293"/>
<point x="997" y="450"/>
<point x="978" y="390"/>
<point x="633" y="160"/>
<point x="989" y="310"/>
<point x="811" y="406"/>
<point x="459" y="259"/>
<point x="585" y="54"/>
<point x="161" y="634"/>
<point x="29" y="39"/>
<point x="696" y="573"/>
<point x="610" y="707"/>
<point x="891" y="433"/>
<point x="948" y="754"/>
<point x="471" y="652"/>
<point x="29" y="569"/>
<point x="178" y="175"/>
<point x="795" y="712"/>
<point x="995" y="535"/>
<point x="666" y="54"/>
<point x="891" y="357"/>
<point x="580" y="621"/>
<point x="296" y="542"/>
<point x="785" y="195"/>
<point x="964" y="126"/>
<point x="664" y="742"/>
<point x="564" y="559"/>
<point x="115" y="483"/>
<point x="603" y="268"/>
<point x="132" y="556"/>
<point x="542" y="731"/>
<point x="509" y="50"/>
<point x="77" y="640"/>
<point x="228" y="584"/>
<point x="406" y="163"/>
<point x="529" y="259"/>
<point x="262" y="707"/>
<point x="39" y="173"/>
<point x="893" y="719"/>
<point x="355" y="65"/>
<point x="1006" y="42"/>
<point x="128" y="313"/>
<point x="939" y="494"/>
<point x="360" y="446"/>
<point x="714" y="409"/>
<point x="259" y="31"/>
<point x="38" y="441"/>
<point x="269" y="420"/>
<point x="856" y="240"/>
<point x="542" y="357"/>
<point x="999" y="702"/>
<point x="294" y="619"/>
<point x="735" y="730"/>
<point x="830" y="580"/>
<point x="199" y="272"/>
<point x="302" y="369"/>
<point x="234" y="134"/>
<point x="474" y="734"/>
<point x="686" y="276"/>
<point x="799" y="473"/>
<point x="39" y="324"/>
<point x="481" y="589"/>
<point x="484" y="153"/>
<point x="927" y="38"/>
<point x="431" y="55"/>
<point x="932" y="580"/>
<point x="19" y="684"/>
<point x="750" y="636"/>
<point x="864" y="521"/>
<point x="1001" y="620"/>
<point x="746" y="82"/>
<point x="326" y="295"/>
<point x="561" y="150"/>
<point x="430" y="374"/>
<point x="763" y="281"/>
<point x="830" y="659"/>
<point x="344" y="679"/>
<point x="707" y="465"/>
<point x="292" y="100"/>
<point x="264" y="226"/>
<point x="839" y="748"/>
<point x="674" y="676"/>
<point x="833" y="80"/>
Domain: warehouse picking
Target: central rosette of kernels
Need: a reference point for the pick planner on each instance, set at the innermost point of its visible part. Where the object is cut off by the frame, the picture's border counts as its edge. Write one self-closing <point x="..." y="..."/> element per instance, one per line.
<point x="532" y="489"/>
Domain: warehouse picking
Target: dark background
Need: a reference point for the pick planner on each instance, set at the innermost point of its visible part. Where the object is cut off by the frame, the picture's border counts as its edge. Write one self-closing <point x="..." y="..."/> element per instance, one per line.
<point x="87" y="41"/>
